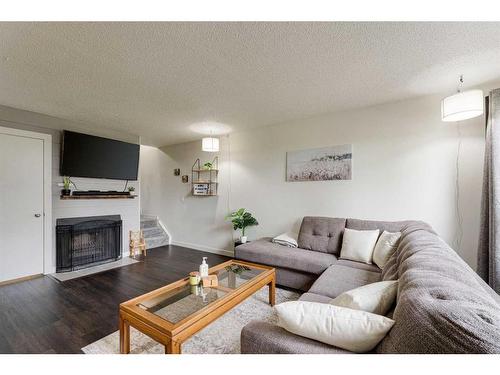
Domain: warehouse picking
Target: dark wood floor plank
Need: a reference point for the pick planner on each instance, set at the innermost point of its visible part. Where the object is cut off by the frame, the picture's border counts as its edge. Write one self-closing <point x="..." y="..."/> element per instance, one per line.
<point x="43" y="315"/>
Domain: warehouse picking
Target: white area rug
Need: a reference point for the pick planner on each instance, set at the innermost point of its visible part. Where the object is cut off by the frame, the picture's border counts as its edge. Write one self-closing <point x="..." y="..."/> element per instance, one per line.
<point x="65" y="276"/>
<point x="220" y="337"/>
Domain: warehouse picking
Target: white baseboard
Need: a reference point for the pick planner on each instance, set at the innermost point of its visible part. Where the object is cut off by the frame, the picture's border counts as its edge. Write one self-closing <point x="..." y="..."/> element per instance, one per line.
<point x="208" y="249"/>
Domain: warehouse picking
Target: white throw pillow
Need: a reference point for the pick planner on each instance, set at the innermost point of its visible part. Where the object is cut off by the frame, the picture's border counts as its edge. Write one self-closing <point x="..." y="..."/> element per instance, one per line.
<point x="288" y="239"/>
<point x="385" y="247"/>
<point x="354" y="330"/>
<point x="376" y="298"/>
<point x="358" y="245"/>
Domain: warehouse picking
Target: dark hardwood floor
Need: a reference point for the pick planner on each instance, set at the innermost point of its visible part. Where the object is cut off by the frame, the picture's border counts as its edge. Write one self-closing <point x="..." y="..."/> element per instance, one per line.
<point x="46" y="316"/>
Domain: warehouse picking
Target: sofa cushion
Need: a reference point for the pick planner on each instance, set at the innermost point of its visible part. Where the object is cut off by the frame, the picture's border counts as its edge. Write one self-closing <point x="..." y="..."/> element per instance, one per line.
<point x="311" y="297"/>
<point x="389" y="226"/>
<point x="338" y="279"/>
<point x="323" y="234"/>
<point x="359" y="265"/>
<point x="264" y="338"/>
<point x="295" y="279"/>
<point x="263" y="251"/>
<point x="442" y="307"/>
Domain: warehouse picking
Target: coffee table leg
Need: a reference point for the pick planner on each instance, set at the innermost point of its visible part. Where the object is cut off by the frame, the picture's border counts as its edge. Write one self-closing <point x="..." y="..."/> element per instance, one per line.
<point x="173" y="347"/>
<point x="124" y="336"/>
<point x="272" y="292"/>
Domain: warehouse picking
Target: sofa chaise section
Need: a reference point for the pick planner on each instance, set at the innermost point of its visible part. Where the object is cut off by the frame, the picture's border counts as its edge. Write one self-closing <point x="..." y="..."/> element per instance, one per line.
<point x="262" y="337"/>
<point x="338" y="279"/>
<point x="296" y="268"/>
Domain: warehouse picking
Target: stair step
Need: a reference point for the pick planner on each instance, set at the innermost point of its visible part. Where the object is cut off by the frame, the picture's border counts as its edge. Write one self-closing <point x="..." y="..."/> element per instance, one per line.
<point x="148" y="224"/>
<point x="158" y="241"/>
<point x="148" y="218"/>
<point x="153" y="232"/>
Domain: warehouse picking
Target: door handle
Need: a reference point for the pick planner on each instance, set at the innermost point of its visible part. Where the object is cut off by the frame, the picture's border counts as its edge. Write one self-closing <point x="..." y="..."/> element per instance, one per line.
<point x="37" y="215"/>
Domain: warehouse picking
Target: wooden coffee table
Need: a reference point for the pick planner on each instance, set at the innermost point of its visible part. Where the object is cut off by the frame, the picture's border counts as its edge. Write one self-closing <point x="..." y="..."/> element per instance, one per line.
<point x="173" y="313"/>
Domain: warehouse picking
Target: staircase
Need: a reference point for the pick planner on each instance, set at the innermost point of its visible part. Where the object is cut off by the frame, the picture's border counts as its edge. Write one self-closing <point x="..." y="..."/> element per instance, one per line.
<point x="154" y="234"/>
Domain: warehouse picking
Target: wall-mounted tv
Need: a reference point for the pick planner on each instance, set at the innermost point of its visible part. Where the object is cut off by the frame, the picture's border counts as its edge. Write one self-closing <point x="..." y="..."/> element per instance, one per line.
<point x="84" y="155"/>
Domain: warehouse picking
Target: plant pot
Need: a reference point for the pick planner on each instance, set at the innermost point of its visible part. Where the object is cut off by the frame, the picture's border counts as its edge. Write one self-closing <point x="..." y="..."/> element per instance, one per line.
<point x="243" y="239"/>
<point x="65" y="192"/>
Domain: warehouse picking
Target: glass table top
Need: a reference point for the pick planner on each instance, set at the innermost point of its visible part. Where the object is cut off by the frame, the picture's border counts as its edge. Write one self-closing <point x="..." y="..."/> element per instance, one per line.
<point x="179" y="303"/>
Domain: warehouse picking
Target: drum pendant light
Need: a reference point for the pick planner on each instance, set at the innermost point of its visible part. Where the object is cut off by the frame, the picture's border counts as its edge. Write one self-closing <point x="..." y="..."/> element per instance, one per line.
<point x="463" y="105"/>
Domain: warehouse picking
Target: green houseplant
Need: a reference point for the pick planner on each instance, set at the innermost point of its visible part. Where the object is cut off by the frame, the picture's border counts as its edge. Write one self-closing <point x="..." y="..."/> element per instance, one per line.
<point x="242" y="219"/>
<point x="66" y="186"/>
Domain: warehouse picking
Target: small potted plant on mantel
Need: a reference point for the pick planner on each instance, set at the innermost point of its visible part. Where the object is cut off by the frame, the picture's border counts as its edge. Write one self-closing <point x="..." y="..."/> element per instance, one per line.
<point x="66" y="191"/>
<point x="242" y="219"/>
<point x="131" y="190"/>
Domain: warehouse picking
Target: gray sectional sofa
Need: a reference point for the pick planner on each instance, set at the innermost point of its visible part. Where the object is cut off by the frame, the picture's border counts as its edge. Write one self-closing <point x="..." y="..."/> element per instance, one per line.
<point x="442" y="305"/>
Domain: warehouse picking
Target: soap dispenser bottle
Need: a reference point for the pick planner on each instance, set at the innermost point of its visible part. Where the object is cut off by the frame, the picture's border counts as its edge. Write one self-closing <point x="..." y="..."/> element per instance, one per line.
<point x="204" y="268"/>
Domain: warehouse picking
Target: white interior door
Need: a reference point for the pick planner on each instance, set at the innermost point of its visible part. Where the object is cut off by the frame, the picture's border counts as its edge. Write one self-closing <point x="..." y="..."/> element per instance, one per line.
<point x="21" y="207"/>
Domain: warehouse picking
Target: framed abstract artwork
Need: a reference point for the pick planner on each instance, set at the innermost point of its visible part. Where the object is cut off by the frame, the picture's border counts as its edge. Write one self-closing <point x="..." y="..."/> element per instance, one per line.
<point x="320" y="164"/>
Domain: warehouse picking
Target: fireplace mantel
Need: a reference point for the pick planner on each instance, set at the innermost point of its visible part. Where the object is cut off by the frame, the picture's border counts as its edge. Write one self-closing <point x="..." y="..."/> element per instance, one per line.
<point x="70" y="197"/>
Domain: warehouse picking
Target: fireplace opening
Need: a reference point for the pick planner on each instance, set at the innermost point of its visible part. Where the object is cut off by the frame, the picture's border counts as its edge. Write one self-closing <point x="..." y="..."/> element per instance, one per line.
<point x="87" y="241"/>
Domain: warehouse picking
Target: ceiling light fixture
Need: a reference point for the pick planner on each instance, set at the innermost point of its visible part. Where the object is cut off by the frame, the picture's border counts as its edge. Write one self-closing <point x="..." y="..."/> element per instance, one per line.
<point x="463" y="105"/>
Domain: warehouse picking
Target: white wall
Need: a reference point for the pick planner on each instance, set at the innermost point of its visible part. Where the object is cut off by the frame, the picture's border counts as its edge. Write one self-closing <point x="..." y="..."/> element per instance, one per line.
<point x="129" y="209"/>
<point x="195" y="222"/>
<point x="403" y="168"/>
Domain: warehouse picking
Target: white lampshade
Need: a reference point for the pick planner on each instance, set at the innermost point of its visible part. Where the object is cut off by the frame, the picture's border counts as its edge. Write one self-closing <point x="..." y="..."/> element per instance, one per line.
<point x="210" y="144"/>
<point x="462" y="106"/>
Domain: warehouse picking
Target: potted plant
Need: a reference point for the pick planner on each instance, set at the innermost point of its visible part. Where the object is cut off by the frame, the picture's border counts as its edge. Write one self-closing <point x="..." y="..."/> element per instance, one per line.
<point x="131" y="190"/>
<point x="241" y="219"/>
<point x="67" y="185"/>
<point x="207" y="166"/>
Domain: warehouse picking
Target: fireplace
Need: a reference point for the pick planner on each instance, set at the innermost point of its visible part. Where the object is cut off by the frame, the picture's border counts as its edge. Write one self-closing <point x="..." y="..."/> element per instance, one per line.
<point x="87" y="241"/>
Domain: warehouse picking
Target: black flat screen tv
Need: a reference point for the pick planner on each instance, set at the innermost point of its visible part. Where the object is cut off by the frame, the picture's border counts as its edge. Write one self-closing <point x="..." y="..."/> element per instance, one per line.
<point x="84" y="155"/>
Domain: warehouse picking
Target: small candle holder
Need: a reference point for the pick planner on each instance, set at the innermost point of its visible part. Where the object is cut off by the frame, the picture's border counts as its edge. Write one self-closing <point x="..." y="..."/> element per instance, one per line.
<point x="194" y="278"/>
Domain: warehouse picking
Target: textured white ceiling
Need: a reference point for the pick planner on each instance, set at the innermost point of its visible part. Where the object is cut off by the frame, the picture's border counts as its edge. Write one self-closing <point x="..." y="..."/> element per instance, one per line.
<point x="157" y="79"/>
